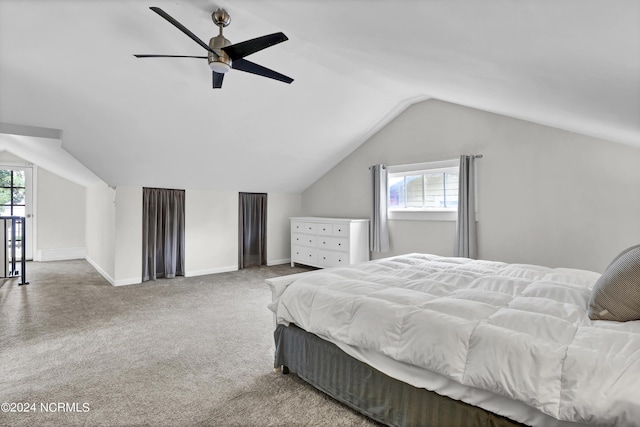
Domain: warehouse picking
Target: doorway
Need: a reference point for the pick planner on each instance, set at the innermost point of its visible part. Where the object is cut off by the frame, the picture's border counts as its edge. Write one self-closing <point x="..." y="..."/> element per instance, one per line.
<point x="16" y="199"/>
<point x="252" y="233"/>
<point x="163" y="233"/>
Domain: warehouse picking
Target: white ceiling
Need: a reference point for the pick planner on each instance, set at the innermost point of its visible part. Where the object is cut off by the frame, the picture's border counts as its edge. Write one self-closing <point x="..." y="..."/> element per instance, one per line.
<point x="68" y="64"/>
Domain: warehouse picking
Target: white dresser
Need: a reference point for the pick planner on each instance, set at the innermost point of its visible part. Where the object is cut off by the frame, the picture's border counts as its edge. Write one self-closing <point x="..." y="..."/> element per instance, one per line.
<point x="329" y="242"/>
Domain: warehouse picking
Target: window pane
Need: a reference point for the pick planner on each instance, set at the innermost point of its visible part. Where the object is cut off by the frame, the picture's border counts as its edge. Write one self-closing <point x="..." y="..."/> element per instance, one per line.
<point x="5" y="210"/>
<point x="396" y="191"/>
<point x="414" y="186"/>
<point x="5" y="196"/>
<point x="5" y="178"/>
<point x="18" y="178"/>
<point x="18" y="196"/>
<point x="425" y="189"/>
<point x="18" y="211"/>
<point x="451" y="196"/>
<point x="435" y="190"/>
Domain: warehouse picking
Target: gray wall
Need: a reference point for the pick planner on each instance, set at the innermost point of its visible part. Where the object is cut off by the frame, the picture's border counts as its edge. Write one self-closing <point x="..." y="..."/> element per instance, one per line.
<point x="100" y="229"/>
<point x="114" y="231"/>
<point x="58" y="214"/>
<point x="61" y="214"/>
<point x="546" y="196"/>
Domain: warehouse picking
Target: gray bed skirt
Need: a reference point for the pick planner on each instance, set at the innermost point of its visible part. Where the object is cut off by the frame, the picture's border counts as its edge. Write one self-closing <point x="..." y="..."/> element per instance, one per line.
<point x="367" y="390"/>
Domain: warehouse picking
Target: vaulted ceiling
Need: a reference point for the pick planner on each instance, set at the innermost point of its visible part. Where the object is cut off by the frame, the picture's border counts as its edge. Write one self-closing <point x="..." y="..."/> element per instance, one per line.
<point x="68" y="64"/>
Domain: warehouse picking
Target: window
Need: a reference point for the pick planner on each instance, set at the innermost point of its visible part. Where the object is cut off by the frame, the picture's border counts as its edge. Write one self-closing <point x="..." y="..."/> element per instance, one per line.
<point x="12" y="193"/>
<point x="423" y="190"/>
<point x="12" y="203"/>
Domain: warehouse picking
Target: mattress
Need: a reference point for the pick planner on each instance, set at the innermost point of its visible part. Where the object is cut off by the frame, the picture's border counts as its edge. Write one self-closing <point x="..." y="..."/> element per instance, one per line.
<point x="513" y="339"/>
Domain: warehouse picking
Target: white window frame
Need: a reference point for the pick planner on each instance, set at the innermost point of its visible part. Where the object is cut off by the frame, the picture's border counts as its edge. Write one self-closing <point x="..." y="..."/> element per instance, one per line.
<point x="421" y="214"/>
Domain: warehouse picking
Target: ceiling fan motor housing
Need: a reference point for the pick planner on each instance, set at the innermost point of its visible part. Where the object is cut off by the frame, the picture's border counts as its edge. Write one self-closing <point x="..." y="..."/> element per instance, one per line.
<point x="221" y="63"/>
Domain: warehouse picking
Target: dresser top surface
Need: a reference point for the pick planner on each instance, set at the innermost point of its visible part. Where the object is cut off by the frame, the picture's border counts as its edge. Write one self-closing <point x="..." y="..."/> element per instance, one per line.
<point x="325" y="219"/>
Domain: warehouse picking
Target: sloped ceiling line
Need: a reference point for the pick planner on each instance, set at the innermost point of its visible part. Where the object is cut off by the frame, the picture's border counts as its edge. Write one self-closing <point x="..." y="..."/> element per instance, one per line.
<point x="66" y="64"/>
<point x="43" y="147"/>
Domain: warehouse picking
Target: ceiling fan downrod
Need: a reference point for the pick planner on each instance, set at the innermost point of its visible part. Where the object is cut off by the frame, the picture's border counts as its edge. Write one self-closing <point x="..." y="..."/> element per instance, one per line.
<point x="222" y="62"/>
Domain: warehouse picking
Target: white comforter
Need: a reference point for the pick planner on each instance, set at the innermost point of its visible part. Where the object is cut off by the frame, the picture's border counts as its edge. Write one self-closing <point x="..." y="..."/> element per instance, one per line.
<point x="519" y="331"/>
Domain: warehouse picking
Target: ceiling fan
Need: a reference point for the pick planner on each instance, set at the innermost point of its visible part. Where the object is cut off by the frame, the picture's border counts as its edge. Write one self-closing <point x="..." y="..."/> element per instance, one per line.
<point x="222" y="55"/>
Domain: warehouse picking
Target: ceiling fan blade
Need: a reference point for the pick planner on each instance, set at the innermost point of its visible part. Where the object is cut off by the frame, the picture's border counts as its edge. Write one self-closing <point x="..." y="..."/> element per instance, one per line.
<point x="168" y="56"/>
<point x="181" y="27"/>
<point x="253" y="68"/>
<point x="246" y="48"/>
<point x="217" y="79"/>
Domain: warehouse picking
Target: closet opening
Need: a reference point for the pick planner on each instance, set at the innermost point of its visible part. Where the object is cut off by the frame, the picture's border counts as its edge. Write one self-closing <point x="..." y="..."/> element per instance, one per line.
<point x="252" y="233"/>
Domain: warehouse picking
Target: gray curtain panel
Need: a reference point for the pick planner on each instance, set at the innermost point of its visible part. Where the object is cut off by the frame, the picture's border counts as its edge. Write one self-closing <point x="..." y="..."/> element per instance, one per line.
<point x="162" y="233"/>
<point x="379" y="230"/>
<point x="252" y="233"/>
<point x="466" y="244"/>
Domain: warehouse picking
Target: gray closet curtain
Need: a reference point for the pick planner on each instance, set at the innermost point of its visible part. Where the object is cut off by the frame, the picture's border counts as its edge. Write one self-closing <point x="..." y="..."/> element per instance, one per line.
<point x="162" y="233"/>
<point x="466" y="244"/>
<point x="379" y="230"/>
<point x="252" y="238"/>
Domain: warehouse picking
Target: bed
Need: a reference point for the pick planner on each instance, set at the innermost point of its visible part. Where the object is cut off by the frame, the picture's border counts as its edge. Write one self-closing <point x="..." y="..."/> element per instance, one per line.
<point x="420" y="339"/>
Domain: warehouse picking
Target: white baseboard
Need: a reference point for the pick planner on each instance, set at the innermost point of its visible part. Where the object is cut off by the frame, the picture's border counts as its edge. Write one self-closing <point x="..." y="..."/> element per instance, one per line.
<point x="59" y="254"/>
<point x="210" y="271"/>
<point x="100" y="270"/>
<point x="278" y="261"/>
<point x="119" y="282"/>
<point x="193" y="273"/>
<point x="130" y="281"/>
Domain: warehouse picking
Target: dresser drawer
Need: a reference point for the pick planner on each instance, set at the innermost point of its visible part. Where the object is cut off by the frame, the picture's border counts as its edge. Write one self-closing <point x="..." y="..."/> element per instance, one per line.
<point x="340" y="230"/>
<point x="297" y="226"/>
<point x="304" y="255"/>
<point x="325" y="229"/>
<point x="304" y="239"/>
<point x="333" y="259"/>
<point x="310" y="227"/>
<point x="333" y="243"/>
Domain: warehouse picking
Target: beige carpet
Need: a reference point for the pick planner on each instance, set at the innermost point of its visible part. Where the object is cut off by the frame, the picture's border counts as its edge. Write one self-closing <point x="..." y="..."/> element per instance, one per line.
<point x="189" y="351"/>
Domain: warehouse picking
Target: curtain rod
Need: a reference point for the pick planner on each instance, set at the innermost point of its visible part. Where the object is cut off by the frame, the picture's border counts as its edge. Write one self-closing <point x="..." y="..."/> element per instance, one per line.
<point x="160" y="188"/>
<point x="475" y="156"/>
